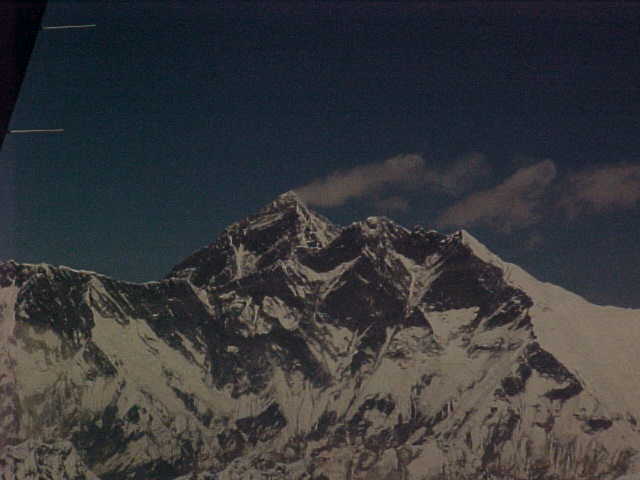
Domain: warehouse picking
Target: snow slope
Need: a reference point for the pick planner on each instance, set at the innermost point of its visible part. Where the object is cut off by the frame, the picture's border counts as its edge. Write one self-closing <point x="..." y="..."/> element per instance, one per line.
<point x="292" y="348"/>
<point x="598" y="343"/>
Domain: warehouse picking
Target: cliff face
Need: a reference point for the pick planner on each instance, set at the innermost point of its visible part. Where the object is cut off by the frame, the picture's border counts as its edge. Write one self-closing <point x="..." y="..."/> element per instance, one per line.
<point x="291" y="348"/>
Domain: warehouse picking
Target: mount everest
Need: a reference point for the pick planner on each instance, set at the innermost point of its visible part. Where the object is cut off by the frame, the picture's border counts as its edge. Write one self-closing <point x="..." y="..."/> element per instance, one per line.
<point x="291" y="348"/>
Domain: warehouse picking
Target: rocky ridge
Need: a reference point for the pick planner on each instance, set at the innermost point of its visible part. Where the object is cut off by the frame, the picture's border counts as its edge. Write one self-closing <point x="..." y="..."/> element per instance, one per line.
<point x="293" y="348"/>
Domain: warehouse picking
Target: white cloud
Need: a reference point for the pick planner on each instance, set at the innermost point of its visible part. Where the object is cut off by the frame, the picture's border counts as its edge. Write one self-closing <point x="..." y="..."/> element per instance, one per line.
<point x="612" y="187"/>
<point x="512" y="204"/>
<point x="408" y="172"/>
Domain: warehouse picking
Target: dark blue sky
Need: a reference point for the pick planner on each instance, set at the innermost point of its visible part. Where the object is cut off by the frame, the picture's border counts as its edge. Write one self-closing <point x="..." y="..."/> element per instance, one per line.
<point x="182" y="117"/>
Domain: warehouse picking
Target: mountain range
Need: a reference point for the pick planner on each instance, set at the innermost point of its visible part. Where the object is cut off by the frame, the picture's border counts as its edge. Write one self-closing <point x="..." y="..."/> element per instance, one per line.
<point x="292" y="348"/>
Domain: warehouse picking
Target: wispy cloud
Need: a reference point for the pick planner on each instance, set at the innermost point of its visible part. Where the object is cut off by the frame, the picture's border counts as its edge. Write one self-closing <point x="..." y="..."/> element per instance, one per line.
<point x="533" y="241"/>
<point x="531" y="194"/>
<point x="514" y="203"/>
<point x="463" y="173"/>
<point x="612" y="187"/>
<point x="392" y="204"/>
<point x="342" y="185"/>
<point x="407" y="172"/>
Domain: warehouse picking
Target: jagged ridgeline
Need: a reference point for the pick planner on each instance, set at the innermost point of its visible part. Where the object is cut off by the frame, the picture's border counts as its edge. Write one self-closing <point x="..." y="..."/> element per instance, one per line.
<point x="291" y="348"/>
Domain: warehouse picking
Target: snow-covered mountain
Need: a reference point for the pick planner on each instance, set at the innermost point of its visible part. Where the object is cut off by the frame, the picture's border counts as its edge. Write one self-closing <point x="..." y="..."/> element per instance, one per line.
<point x="291" y="348"/>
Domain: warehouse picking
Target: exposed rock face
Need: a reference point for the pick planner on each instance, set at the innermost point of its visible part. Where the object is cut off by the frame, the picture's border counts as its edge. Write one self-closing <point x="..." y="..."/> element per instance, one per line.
<point x="291" y="348"/>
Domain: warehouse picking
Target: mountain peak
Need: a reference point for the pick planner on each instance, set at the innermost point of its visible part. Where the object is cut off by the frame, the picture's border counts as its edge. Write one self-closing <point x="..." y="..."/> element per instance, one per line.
<point x="258" y="241"/>
<point x="286" y="205"/>
<point x="286" y="200"/>
<point x="402" y="350"/>
<point x="477" y="247"/>
<point x="378" y="226"/>
<point x="289" y="196"/>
